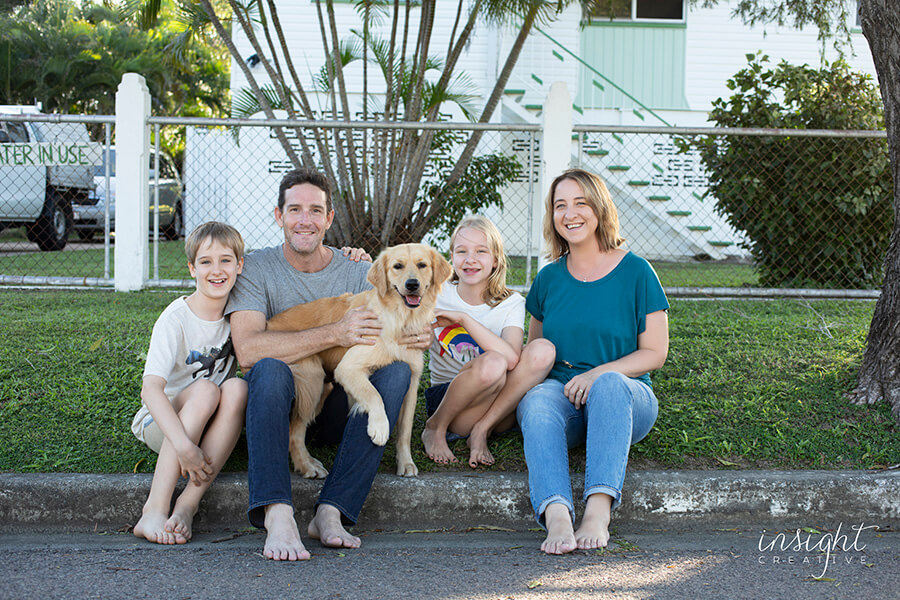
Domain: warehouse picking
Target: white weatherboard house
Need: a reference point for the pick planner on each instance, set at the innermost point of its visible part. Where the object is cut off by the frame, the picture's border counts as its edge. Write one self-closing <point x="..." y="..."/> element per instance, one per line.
<point x="658" y="63"/>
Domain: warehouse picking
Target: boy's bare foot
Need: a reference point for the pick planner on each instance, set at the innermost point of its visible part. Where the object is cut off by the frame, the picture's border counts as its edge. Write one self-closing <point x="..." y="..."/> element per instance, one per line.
<point x="180" y="524"/>
<point x="478" y="449"/>
<point x="327" y="528"/>
<point x="152" y="526"/>
<point x="282" y="536"/>
<point x="594" y="529"/>
<point x="560" y="537"/>
<point x="436" y="447"/>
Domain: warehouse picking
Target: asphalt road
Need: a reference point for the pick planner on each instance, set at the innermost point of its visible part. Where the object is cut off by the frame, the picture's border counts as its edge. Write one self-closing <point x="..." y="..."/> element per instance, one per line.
<point x="476" y="564"/>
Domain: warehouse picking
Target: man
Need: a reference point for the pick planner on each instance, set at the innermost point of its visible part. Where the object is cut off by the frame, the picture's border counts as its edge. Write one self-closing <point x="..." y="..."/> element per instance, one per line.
<point x="300" y="270"/>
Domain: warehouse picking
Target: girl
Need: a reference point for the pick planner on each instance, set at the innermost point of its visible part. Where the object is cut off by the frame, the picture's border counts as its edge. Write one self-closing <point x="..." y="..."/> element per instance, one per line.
<point x="479" y="370"/>
<point x="605" y="312"/>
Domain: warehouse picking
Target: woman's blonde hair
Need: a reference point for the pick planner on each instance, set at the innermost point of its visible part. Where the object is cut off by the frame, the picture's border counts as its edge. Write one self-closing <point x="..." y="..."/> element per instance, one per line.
<point x="496" y="290"/>
<point x="597" y="196"/>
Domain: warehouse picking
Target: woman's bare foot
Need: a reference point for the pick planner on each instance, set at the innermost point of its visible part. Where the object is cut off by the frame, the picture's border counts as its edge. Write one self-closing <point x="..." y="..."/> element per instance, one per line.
<point x="594" y="529"/>
<point x="560" y="537"/>
<point x="479" y="454"/>
<point x="326" y="527"/>
<point x="282" y="536"/>
<point x="152" y="526"/>
<point x="180" y="524"/>
<point x="436" y="447"/>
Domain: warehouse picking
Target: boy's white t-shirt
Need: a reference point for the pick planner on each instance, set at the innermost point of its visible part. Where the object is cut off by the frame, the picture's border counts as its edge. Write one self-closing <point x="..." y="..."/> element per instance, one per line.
<point x="452" y="347"/>
<point x="183" y="349"/>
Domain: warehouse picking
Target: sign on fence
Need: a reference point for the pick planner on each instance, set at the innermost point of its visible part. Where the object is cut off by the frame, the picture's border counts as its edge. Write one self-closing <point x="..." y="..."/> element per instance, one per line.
<point x="51" y="154"/>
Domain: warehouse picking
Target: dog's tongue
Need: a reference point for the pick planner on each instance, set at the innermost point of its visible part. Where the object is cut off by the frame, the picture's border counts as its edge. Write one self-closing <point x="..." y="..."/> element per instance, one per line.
<point x="413" y="300"/>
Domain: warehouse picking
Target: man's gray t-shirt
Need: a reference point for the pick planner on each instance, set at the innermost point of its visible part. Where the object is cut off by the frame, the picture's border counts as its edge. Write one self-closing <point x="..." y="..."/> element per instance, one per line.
<point x="270" y="285"/>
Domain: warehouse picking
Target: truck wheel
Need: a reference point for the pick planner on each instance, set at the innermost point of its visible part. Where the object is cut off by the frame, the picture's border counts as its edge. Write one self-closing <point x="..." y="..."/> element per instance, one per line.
<point x="175" y="229"/>
<point x="51" y="230"/>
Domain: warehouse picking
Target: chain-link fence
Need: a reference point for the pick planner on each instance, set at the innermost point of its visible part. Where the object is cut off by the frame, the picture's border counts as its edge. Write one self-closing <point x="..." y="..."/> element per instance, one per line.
<point x="58" y="201"/>
<point x="738" y="208"/>
<point x="709" y="208"/>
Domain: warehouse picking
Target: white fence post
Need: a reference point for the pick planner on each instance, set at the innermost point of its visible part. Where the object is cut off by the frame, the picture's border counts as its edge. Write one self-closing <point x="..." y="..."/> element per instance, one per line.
<point x="556" y="152"/>
<point x="132" y="192"/>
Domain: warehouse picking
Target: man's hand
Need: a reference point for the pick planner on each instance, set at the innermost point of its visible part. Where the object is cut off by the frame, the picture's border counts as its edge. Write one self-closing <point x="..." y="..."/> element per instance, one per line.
<point x="420" y="340"/>
<point x="356" y="254"/>
<point x="194" y="464"/>
<point x="358" y="326"/>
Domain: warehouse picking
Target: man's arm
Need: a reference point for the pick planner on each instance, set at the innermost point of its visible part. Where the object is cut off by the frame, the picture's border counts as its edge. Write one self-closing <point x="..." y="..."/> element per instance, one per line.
<point x="253" y="342"/>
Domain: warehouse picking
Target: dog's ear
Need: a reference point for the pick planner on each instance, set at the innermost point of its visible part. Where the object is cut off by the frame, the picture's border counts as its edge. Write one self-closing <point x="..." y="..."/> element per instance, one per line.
<point x="378" y="274"/>
<point x="442" y="269"/>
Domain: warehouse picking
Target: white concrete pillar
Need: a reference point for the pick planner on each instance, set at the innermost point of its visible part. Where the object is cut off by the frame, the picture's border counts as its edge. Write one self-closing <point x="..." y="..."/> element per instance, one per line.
<point x="556" y="151"/>
<point x="132" y="190"/>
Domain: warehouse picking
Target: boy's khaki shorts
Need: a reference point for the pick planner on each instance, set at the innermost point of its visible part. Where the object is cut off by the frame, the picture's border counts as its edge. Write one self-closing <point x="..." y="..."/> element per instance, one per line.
<point x="153" y="435"/>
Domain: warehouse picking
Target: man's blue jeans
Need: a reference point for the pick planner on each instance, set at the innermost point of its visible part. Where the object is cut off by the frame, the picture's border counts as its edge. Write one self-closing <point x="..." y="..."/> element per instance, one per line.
<point x="269" y="402"/>
<point x="619" y="412"/>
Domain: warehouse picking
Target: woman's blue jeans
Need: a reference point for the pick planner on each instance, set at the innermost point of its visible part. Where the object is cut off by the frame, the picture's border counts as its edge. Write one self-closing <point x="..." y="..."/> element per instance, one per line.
<point x="619" y="412"/>
<point x="269" y="402"/>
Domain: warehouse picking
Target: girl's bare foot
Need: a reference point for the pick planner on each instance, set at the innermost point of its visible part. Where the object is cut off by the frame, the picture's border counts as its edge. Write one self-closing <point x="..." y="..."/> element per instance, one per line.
<point x="479" y="454"/>
<point x="152" y="526"/>
<point x="594" y="529"/>
<point x="436" y="446"/>
<point x="282" y="536"/>
<point x="326" y="527"/>
<point x="560" y="536"/>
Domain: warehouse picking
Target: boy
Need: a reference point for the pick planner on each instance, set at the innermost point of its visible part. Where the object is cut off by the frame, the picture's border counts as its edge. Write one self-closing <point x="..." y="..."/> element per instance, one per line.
<point x="193" y="407"/>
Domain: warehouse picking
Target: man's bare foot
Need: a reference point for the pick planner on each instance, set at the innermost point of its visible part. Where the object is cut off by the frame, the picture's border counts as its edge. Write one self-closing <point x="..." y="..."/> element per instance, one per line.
<point x="326" y="527"/>
<point x="282" y="536"/>
<point x="478" y="449"/>
<point x="180" y="524"/>
<point x="594" y="529"/>
<point x="436" y="447"/>
<point x="152" y="527"/>
<point x="560" y="537"/>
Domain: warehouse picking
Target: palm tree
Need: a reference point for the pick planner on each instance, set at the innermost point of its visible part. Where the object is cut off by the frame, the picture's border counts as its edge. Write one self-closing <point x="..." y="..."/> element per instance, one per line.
<point x="378" y="176"/>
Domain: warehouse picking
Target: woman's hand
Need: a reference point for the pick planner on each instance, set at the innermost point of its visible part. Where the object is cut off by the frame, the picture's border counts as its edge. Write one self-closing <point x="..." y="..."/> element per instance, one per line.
<point x="578" y="387"/>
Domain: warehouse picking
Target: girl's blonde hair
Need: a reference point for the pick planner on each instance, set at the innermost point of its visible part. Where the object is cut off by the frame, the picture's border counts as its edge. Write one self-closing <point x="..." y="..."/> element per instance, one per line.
<point x="496" y="290"/>
<point x="597" y="196"/>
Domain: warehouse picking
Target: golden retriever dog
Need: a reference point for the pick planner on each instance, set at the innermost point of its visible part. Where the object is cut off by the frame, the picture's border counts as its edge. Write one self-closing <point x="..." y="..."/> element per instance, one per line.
<point x="406" y="279"/>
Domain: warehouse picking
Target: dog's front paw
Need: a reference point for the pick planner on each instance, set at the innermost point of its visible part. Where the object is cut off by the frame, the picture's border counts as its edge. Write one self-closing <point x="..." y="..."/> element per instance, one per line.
<point x="407" y="469"/>
<point x="379" y="429"/>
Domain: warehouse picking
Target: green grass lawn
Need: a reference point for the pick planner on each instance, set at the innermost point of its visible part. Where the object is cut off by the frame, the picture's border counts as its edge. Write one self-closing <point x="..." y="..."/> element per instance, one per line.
<point x="748" y="384"/>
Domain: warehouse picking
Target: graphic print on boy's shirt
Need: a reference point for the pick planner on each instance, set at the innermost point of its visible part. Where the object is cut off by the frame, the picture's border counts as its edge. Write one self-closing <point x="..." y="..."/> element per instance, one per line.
<point x="208" y="357"/>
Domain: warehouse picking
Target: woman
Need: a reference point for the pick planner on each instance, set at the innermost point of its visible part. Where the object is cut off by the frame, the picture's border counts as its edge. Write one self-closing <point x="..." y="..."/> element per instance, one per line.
<point x="605" y="311"/>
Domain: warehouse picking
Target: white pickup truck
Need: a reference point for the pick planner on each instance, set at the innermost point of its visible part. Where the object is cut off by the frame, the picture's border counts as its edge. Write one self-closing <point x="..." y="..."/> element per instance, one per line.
<point x="44" y="169"/>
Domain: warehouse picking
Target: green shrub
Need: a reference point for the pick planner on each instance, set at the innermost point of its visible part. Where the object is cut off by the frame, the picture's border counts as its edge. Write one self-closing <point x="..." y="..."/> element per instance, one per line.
<point x="816" y="211"/>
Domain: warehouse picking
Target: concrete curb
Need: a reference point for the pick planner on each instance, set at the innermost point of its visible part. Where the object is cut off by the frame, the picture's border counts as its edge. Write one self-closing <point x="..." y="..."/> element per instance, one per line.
<point x="665" y="499"/>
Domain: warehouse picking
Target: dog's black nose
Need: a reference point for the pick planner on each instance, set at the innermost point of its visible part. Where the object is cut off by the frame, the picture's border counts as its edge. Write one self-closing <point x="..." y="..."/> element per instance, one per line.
<point x="412" y="285"/>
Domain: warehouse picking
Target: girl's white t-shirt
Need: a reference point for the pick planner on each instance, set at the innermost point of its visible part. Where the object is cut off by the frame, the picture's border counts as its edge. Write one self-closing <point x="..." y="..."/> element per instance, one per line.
<point x="452" y="346"/>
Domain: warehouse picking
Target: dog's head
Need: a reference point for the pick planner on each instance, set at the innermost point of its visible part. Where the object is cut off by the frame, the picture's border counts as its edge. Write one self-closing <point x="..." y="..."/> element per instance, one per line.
<point x="414" y="271"/>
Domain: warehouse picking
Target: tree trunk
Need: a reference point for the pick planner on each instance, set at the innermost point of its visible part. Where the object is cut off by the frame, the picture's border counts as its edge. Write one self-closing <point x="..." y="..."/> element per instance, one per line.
<point x="879" y="375"/>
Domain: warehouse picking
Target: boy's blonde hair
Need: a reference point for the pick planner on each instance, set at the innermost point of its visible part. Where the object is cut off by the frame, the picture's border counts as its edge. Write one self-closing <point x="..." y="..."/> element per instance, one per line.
<point x="597" y="196"/>
<point x="496" y="290"/>
<point x="226" y="235"/>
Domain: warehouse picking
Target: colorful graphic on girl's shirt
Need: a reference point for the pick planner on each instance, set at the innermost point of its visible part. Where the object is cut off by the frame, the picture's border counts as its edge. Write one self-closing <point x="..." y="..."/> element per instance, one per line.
<point x="459" y="343"/>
